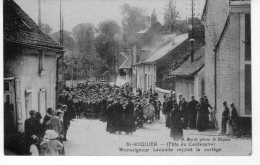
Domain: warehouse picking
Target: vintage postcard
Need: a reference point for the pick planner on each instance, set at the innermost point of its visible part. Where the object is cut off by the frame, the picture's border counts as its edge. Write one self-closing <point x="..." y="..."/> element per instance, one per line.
<point x="127" y="77"/>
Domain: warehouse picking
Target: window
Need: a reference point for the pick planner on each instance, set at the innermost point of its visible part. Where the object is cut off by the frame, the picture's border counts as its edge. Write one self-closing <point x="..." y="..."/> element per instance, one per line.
<point x="202" y="87"/>
<point x="41" y="62"/>
<point x="122" y="72"/>
<point x="18" y="99"/>
<point x="42" y="102"/>
<point x="247" y="37"/>
<point x="9" y="100"/>
<point x="245" y="66"/>
<point x="248" y="89"/>
<point x="28" y="102"/>
<point x="6" y="86"/>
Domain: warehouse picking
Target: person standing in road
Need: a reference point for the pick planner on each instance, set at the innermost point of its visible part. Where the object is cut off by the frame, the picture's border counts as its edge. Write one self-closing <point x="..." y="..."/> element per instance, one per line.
<point x="225" y="118"/>
<point x="66" y="121"/>
<point x="61" y="133"/>
<point x="110" y="117"/>
<point x="184" y="112"/>
<point x="54" y="122"/>
<point x="167" y="111"/>
<point x="129" y="117"/>
<point x="118" y="115"/>
<point x="180" y="101"/>
<point x="234" y="120"/>
<point x="32" y="131"/>
<point x="176" y="122"/>
<point x="192" y="113"/>
<point x="203" y="115"/>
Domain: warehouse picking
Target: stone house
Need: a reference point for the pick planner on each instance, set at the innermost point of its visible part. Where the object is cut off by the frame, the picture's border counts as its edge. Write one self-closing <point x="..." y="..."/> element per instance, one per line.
<point x="125" y="70"/>
<point x="30" y="67"/>
<point x="228" y="56"/>
<point x="189" y="77"/>
<point x="151" y="71"/>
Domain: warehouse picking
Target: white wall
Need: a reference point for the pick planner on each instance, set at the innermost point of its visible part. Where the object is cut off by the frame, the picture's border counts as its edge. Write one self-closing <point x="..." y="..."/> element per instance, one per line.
<point x="25" y="66"/>
<point x="185" y="88"/>
<point x="228" y="56"/>
<point x="146" y="76"/>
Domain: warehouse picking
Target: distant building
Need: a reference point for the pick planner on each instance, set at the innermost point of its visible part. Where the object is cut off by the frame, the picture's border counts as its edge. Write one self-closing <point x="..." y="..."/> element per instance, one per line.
<point x="151" y="70"/>
<point x="189" y="76"/>
<point x="30" y="68"/>
<point x="228" y="57"/>
<point x="125" y="69"/>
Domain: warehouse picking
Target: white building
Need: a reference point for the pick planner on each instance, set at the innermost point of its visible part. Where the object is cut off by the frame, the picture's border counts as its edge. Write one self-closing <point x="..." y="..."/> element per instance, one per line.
<point x="189" y="77"/>
<point x="30" y="66"/>
<point x="149" y="71"/>
<point x="228" y="56"/>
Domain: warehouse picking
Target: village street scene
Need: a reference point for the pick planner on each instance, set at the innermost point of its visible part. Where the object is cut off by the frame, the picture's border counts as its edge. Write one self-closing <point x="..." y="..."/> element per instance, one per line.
<point x="127" y="77"/>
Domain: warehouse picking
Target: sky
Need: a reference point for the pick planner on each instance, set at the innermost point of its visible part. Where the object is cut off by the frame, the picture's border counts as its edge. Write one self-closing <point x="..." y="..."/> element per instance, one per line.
<point x="95" y="11"/>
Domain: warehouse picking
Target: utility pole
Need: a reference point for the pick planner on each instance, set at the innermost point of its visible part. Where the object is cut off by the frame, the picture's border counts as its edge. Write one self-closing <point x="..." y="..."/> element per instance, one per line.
<point x="192" y="35"/>
<point x="39" y="13"/>
<point x="170" y="7"/>
<point x="59" y="76"/>
<point x="61" y="24"/>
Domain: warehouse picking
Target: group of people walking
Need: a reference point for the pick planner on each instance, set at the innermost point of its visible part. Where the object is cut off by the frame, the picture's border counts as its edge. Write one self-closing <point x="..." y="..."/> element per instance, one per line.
<point x="118" y="106"/>
<point x="45" y="136"/>
<point x="230" y="120"/>
<point x="195" y="115"/>
<point x="122" y="110"/>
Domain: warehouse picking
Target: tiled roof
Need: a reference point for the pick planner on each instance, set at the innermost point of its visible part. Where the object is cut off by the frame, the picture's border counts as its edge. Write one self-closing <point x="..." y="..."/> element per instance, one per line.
<point x="157" y="43"/>
<point x="20" y="28"/>
<point x="188" y="68"/>
<point x="167" y="48"/>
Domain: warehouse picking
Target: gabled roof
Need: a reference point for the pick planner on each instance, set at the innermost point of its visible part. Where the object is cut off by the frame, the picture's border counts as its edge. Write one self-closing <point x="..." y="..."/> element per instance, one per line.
<point x="20" y="28"/>
<point x="188" y="68"/>
<point x="167" y="48"/>
<point x="127" y="64"/>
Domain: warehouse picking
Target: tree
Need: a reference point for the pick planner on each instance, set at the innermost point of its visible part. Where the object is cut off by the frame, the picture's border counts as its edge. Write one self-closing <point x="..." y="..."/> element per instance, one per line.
<point x="134" y="20"/>
<point x="170" y="16"/>
<point x="84" y="35"/>
<point x="68" y="40"/>
<point x="46" y="28"/>
<point x="109" y="28"/>
<point x="182" y="26"/>
<point x="89" y="61"/>
<point x="107" y="45"/>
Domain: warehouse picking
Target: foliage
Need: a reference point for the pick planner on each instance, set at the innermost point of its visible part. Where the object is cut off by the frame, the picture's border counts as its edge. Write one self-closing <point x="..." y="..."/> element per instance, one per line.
<point x="198" y="30"/>
<point x="84" y="35"/>
<point x="107" y="45"/>
<point x="68" y="41"/>
<point x="182" y="26"/>
<point x="170" y="16"/>
<point x="134" y="20"/>
<point x="109" y="28"/>
<point x="46" y="28"/>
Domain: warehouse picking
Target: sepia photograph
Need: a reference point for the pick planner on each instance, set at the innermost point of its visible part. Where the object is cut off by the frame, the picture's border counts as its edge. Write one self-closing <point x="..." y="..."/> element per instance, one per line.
<point x="127" y="78"/>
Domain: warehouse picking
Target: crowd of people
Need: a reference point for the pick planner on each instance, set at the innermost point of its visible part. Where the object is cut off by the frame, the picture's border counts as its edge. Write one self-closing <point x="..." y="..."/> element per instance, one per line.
<point x="196" y="115"/>
<point x="123" y="110"/>
<point x="45" y="136"/>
